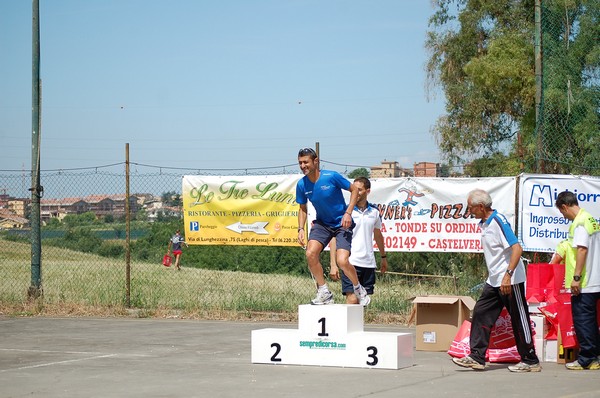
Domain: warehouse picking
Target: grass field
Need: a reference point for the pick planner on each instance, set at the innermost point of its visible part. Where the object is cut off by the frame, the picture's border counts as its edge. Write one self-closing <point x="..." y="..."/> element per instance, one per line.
<point x="80" y="284"/>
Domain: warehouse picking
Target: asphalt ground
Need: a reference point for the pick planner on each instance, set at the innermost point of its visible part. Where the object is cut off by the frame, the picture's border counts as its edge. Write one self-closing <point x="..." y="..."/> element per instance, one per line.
<point x="131" y="357"/>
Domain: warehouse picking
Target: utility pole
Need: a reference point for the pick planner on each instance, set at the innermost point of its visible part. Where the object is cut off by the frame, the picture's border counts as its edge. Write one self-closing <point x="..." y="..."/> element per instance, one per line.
<point x="35" y="290"/>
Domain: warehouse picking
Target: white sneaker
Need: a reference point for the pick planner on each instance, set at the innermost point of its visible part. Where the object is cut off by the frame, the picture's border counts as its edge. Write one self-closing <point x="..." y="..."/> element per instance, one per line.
<point x="468" y="362"/>
<point x="522" y="367"/>
<point x="324" y="296"/>
<point x="363" y="297"/>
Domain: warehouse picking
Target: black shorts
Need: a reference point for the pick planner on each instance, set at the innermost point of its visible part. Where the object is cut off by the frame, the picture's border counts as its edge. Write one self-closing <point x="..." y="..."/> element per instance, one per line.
<point x="366" y="277"/>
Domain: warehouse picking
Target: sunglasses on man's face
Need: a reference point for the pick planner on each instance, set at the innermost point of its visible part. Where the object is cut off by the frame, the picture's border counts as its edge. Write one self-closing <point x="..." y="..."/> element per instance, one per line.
<point x="307" y="151"/>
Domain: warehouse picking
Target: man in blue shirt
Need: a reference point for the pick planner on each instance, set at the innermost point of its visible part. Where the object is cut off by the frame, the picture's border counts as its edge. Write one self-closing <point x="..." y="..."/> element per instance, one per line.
<point x="334" y="219"/>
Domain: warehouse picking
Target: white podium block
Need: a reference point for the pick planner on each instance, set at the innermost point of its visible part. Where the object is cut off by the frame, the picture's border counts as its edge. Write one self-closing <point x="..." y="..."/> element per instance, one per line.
<point x="321" y="346"/>
<point x="383" y="349"/>
<point x="330" y="321"/>
<point x="274" y="346"/>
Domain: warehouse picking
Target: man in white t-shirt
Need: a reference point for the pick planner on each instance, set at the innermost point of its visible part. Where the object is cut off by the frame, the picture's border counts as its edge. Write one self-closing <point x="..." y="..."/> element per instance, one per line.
<point x="584" y="237"/>
<point x="368" y="227"/>
<point x="504" y="288"/>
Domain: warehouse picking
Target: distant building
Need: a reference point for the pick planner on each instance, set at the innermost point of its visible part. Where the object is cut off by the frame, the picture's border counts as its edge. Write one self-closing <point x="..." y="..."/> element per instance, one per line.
<point x="13" y="211"/>
<point x="144" y="199"/>
<point x="100" y="205"/>
<point x="19" y="206"/>
<point x="427" y="169"/>
<point x="389" y="169"/>
<point x="156" y="208"/>
<point x="9" y="220"/>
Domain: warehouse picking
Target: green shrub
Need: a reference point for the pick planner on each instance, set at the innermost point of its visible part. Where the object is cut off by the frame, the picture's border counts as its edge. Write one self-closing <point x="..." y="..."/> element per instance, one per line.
<point x="111" y="249"/>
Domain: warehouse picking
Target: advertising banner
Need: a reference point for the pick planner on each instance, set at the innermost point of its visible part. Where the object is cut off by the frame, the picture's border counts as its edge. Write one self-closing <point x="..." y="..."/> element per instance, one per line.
<point x="418" y="214"/>
<point x="240" y="210"/>
<point x="431" y="214"/>
<point x="541" y="226"/>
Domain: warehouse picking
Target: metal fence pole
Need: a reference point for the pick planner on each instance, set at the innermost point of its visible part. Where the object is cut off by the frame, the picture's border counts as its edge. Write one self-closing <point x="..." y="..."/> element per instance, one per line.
<point x="35" y="288"/>
<point x="127" y="232"/>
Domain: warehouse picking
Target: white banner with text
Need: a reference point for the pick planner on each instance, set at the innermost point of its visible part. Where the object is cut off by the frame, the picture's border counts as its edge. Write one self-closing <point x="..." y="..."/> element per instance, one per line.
<point x="541" y="226"/>
<point x="431" y="214"/>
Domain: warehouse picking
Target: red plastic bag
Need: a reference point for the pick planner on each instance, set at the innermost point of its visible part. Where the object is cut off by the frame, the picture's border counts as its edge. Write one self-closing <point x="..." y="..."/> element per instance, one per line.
<point x="167" y="260"/>
<point x="505" y="355"/>
<point x="558" y="285"/>
<point x="565" y="321"/>
<point x="502" y="336"/>
<point x="460" y="345"/>
<point x="540" y="282"/>
<point x="502" y="341"/>
<point x="550" y="311"/>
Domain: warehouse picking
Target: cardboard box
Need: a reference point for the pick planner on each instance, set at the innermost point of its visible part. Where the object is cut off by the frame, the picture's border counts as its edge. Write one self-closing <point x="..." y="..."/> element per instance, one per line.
<point x="565" y="355"/>
<point x="540" y="324"/>
<point x="534" y="308"/>
<point x="540" y="348"/>
<point x="438" y="319"/>
<point x="550" y="350"/>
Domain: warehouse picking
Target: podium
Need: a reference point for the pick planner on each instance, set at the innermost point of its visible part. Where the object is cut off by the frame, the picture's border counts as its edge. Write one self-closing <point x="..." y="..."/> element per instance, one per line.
<point x="332" y="335"/>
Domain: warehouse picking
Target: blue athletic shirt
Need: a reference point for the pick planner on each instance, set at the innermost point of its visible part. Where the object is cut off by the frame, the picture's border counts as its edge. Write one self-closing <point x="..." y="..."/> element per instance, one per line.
<point x="325" y="195"/>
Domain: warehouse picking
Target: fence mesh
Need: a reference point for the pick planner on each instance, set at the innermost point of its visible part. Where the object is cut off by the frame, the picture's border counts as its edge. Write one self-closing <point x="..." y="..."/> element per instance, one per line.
<point x="569" y="122"/>
<point x="84" y="255"/>
<point x="83" y="261"/>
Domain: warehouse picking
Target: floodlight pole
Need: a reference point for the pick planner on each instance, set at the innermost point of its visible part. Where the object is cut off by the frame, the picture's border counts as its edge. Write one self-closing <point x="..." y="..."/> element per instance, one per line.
<point x="35" y="290"/>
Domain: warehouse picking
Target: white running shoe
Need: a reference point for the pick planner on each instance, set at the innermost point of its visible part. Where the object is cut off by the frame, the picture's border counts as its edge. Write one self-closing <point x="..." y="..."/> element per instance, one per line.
<point x="324" y="296"/>
<point x="363" y="297"/>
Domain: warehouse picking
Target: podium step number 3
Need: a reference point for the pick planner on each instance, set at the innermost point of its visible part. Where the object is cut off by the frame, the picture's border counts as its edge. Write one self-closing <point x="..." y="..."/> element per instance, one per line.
<point x="332" y="335"/>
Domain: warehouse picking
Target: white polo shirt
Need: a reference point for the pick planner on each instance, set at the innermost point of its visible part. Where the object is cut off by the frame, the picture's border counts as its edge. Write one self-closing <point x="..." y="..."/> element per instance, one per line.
<point x="592" y="261"/>
<point x="362" y="253"/>
<point x="496" y="239"/>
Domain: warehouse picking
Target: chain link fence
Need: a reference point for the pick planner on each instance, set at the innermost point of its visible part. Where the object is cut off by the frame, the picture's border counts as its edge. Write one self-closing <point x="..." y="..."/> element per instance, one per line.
<point x="568" y="127"/>
<point x="84" y="262"/>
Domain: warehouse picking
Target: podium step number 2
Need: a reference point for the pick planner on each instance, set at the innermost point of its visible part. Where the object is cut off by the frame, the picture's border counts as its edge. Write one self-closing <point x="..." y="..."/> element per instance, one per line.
<point x="332" y="335"/>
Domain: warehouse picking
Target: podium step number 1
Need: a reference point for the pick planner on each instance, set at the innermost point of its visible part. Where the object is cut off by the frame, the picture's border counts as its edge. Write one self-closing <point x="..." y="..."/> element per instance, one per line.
<point x="332" y="335"/>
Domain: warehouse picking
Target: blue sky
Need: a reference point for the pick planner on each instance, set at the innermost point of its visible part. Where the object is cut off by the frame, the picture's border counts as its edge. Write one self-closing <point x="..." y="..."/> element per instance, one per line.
<point x="218" y="84"/>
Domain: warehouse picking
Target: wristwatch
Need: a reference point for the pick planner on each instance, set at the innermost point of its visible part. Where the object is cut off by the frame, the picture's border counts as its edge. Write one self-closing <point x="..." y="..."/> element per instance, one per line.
<point x="576" y="278"/>
<point x="510" y="272"/>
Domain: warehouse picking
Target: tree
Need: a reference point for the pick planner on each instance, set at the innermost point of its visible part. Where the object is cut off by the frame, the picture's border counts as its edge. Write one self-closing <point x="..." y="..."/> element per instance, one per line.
<point x="170" y="198"/>
<point x="488" y="166"/>
<point x="53" y="223"/>
<point x="141" y="215"/>
<point x="74" y="220"/>
<point x="571" y="106"/>
<point x="446" y="170"/>
<point x="482" y="55"/>
<point x="360" y="172"/>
